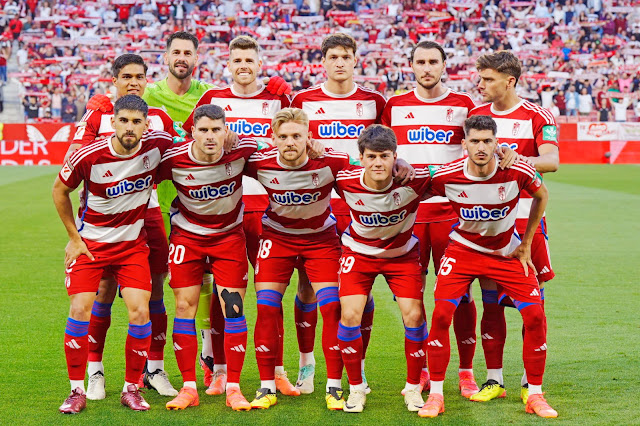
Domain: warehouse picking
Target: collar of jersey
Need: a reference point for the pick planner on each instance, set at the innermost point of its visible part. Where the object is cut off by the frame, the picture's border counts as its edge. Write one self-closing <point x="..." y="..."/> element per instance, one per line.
<point x="334" y="95"/>
<point x="478" y="178"/>
<point x="507" y="112"/>
<point x="115" y="154"/>
<point x="439" y="98"/>
<point x="250" y="95"/>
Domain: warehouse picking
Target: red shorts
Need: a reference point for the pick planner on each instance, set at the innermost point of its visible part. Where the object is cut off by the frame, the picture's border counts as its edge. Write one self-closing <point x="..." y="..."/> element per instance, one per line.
<point x="541" y="258"/>
<point x="225" y="257"/>
<point x="461" y="265"/>
<point x="130" y="268"/>
<point x="252" y="225"/>
<point x="434" y="239"/>
<point x="319" y="254"/>
<point x="358" y="272"/>
<point x="157" y="240"/>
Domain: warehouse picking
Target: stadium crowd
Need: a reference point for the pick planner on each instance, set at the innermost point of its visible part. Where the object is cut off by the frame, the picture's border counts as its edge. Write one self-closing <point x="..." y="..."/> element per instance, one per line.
<point x="577" y="54"/>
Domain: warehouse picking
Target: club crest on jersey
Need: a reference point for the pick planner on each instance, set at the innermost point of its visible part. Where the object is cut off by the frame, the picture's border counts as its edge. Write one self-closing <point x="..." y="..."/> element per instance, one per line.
<point x="145" y="162"/>
<point x="359" y="109"/>
<point x="396" y="198"/>
<point x="265" y="108"/>
<point x="450" y="115"/>
<point x="502" y="193"/>
<point x="228" y="168"/>
<point x="315" y="179"/>
<point x="516" y="129"/>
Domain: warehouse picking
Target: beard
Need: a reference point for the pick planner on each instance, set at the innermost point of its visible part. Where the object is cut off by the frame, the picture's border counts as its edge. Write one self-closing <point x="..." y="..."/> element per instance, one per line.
<point x="430" y="86"/>
<point x="181" y="75"/>
<point x="127" y="144"/>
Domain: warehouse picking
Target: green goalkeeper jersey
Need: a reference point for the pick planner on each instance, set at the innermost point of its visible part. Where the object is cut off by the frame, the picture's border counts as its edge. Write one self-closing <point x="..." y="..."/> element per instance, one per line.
<point x="178" y="107"/>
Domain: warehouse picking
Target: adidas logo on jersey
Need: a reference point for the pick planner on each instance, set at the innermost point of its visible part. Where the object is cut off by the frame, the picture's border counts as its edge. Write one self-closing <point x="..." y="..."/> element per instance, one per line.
<point x="410" y="115"/>
<point x="481" y="213"/>
<point x="274" y="181"/>
<point x="291" y="198"/>
<point x="463" y="195"/>
<point x="73" y="344"/>
<point x="228" y="108"/>
<point x="320" y="111"/>
<point x="336" y="129"/>
<point x="535" y="292"/>
<point x="545" y="270"/>
<point x="190" y="177"/>
<point x="435" y="343"/>
<point x="238" y="348"/>
<point x="262" y="348"/>
<point x="359" y="203"/>
<point x="379" y="219"/>
<point x="349" y="350"/>
<point x="418" y="354"/>
<point x="426" y="134"/>
<point x="541" y="348"/>
<point x="209" y="192"/>
<point x="125" y="186"/>
<point x="108" y="174"/>
<point x="160" y="337"/>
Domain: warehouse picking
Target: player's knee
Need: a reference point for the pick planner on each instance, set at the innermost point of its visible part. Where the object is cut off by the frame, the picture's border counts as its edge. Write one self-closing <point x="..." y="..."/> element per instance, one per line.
<point x="184" y="307"/>
<point x="233" y="304"/>
<point x="413" y="318"/>
<point x="441" y="317"/>
<point x="350" y="317"/>
<point x="533" y="316"/>
<point x="80" y="311"/>
<point x="139" y="313"/>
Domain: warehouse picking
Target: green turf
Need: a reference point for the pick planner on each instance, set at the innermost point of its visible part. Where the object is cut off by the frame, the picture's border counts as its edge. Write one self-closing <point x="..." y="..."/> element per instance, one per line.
<point x="594" y="354"/>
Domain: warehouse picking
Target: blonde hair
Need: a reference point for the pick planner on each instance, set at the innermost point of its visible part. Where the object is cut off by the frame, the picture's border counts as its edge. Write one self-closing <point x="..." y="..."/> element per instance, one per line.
<point x="244" y="42"/>
<point x="287" y="115"/>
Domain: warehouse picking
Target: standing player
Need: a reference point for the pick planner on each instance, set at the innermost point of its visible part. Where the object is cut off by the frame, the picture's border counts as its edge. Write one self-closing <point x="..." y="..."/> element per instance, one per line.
<point x="531" y="131"/>
<point x="379" y="240"/>
<point x="118" y="174"/>
<point x="249" y="109"/>
<point x="130" y="78"/>
<point x="206" y="232"/>
<point x="338" y="110"/>
<point x="483" y="245"/>
<point x="428" y="123"/>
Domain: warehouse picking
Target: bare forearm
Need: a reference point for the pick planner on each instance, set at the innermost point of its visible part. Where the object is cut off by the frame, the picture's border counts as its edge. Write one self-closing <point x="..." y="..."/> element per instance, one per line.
<point x="65" y="210"/>
<point x="546" y="163"/>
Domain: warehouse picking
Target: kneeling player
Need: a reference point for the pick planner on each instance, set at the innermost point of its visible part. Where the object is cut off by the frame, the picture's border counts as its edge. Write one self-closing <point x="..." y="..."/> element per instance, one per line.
<point x="379" y="240"/>
<point x="207" y="231"/>
<point x="484" y="246"/>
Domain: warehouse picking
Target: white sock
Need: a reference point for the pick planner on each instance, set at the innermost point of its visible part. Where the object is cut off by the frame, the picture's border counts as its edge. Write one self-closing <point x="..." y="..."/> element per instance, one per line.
<point x="190" y="385"/>
<point x="465" y="370"/>
<point x="524" y="380"/>
<point x="217" y="367"/>
<point x="269" y="384"/>
<point x="77" y="384"/>
<point x="425" y="369"/>
<point x="153" y="365"/>
<point x="437" y="387"/>
<point x="306" y="358"/>
<point x="232" y="385"/>
<point x="361" y="387"/>
<point x="207" y="346"/>
<point x="535" y="389"/>
<point x="93" y="367"/>
<point x="126" y="385"/>
<point x="495" y="374"/>
<point x="408" y="386"/>
<point x="207" y="279"/>
<point x="334" y="383"/>
<point x="279" y="369"/>
<point x="362" y="364"/>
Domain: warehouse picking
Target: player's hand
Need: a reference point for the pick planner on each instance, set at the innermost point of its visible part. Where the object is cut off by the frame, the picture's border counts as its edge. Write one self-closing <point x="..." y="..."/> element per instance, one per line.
<point x="230" y="141"/>
<point x="523" y="254"/>
<point x="403" y="172"/>
<point x="315" y="149"/>
<point x="75" y="249"/>
<point x="100" y="103"/>
<point x="277" y="85"/>
<point x="507" y="157"/>
<point x="527" y="160"/>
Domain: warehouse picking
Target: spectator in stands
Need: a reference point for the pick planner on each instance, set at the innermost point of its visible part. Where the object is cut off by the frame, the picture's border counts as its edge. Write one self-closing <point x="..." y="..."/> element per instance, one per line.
<point x="3" y="68"/>
<point x="31" y="108"/>
<point x="620" y="109"/>
<point x="572" y="101"/>
<point x="585" y="102"/>
<point x="69" y="110"/>
<point x="560" y="102"/>
<point x="56" y="103"/>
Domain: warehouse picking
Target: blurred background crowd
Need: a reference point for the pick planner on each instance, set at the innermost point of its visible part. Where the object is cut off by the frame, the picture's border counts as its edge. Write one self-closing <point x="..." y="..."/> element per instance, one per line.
<point x="581" y="57"/>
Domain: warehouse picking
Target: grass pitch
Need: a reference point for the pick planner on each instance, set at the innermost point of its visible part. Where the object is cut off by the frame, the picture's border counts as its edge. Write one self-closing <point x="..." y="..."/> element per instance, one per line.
<point x="594" y="350"/>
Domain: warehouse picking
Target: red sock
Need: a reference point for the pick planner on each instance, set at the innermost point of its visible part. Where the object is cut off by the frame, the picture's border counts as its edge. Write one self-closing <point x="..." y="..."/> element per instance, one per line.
<point x="493" y="329"/>
<point x="265" y="335"/>
<point x="306" y="316"/>
<point x="351" y="348"/>
<point x="438" y="346"/>
<point x="329" y="304"/>
<point x="185" y="346"/>
<point x="235" y="340"/>
<point x="367" y="324"/>
<point x="534" y="347"/>
<point x="217" y="329"/>
<point x="136" y="350"/>
<point x="424" y="347"/>
<point x="158" y="317"/>
<point x="414" y="339"/>
<point x="280" y="352"/>
<point x="98" y="327"/>
<point x="464" y="326"/>
<point x="76" y="348"/>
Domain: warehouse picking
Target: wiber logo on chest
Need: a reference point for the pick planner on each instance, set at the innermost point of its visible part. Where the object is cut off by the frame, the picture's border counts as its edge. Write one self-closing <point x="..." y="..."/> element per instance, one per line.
<point x="126" y="186"/>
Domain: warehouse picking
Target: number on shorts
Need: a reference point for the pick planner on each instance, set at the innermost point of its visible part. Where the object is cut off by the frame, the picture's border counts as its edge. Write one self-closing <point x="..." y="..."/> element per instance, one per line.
<point x="265" y="248"/>
<point x="346" y="263"/>
<point x="446" y="266"/>
<point x="177" y="252"/>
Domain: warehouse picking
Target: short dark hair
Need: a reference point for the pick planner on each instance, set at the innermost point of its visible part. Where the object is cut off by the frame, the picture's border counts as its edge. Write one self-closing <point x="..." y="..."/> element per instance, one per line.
<point x="338" y="40"/>
<point x="480" y="122"/>
<point x="502" y="61"/>
<point x="131" y="103"/>
<point x="428" y="45"/>
<point x="182" y="35"/>
<point x="124" y="60"/>
<point x="377" y="138"/>
<point x="211" y="111"/>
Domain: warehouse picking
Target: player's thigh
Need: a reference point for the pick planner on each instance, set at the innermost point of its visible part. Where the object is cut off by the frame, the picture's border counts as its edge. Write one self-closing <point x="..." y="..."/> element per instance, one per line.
<point x="80" y="306"/>
<point x="187" y="263"/>
<point x="108" y="289"/>
<point x="510" y="278"/>
<point x="411" y="310"/>
<point x="157" y="241"/>
<point x="458" y="269"/>
<point x="541" y="258"/>
<point x="83" y="275"/>
<point x="305" y="291"/>
<point x="357" y="274"/>
<point x="230" y="271"/>
<point x="352" y="308"/>
<point x="404" y="275"/>
<point x="131" y="270"/>
<point x="276" y="259"/>
<point x="321" y="261"/>
<point x="252" y="226"/>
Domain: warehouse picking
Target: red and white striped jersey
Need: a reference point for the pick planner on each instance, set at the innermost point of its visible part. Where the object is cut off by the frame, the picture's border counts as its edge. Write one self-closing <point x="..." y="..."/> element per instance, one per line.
<point x="523" y="128"/>
<point x="338" y="120"/>
<point x="298" y="197"/>
<point x="249" y="116"/>
<point x="209" y="198"/>
<point x="116" y="190"/>
<point x="429" y="132"/>
<point x="381" y="220"/>
<point x="486" y="206"/>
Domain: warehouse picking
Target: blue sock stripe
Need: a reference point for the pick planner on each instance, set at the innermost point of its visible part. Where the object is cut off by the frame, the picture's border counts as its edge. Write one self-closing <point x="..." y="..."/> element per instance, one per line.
<point x="455" y="302"/>
<point x="542" y="294"/>
<point x="416" y="334"/>
<point x="157" y="307"/>
<point x="490" y="296"/>
<point x="77" y="328"/>
<point x="327" y="295"/>
<point x="235" y="325"/>
<point x="269" y="298"/>
<point x="101" y="309"/>
<point x="521" y="305"/>
<point x="370" y="306"/>
<point x="184" y="326"/>
<point x="140" y="331"/>
<point x="305" y="307"/>
<point x="347" y="334"/>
